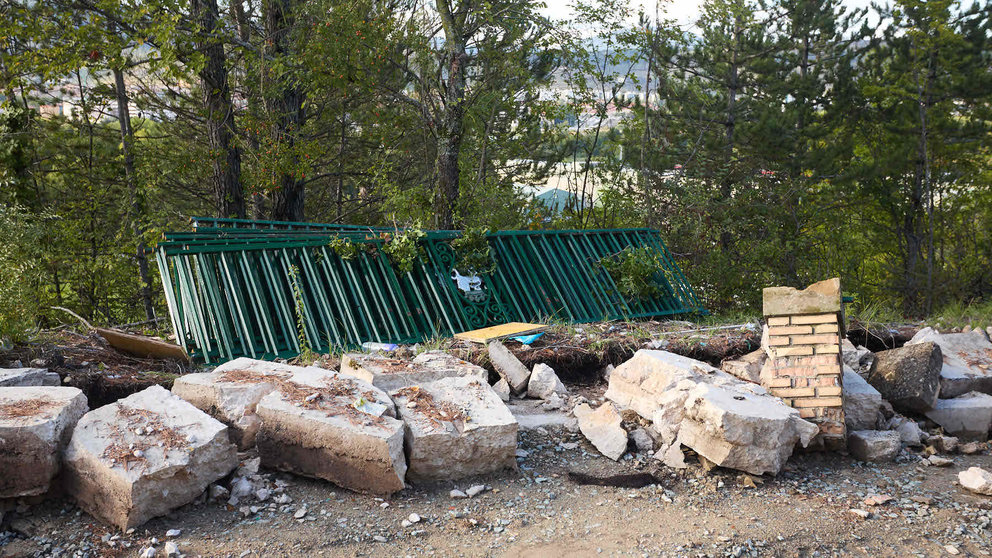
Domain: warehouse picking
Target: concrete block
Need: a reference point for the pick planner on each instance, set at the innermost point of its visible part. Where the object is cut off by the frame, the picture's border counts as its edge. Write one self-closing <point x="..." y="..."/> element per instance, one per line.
<point x="874" y="445"/>
<point x="25" y="377"/>
<point x="968" y="417"/>
<point x="455" y="427"/>
<point x="36" y="423"/>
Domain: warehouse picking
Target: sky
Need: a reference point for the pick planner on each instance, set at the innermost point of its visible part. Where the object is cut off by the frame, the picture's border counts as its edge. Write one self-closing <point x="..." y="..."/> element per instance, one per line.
<point x="683" y="11"/>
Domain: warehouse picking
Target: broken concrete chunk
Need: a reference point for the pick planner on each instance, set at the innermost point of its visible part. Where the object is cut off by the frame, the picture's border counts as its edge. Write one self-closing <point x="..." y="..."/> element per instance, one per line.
<point x="737" y="429"/>
<point x="977" y="480"/>
<point x="858" y="358"/>
<point x="748" y="367"/>
<point x="874" y="445"/>
<point x="967" y="360"/>
<point x="144" y="456"/>
<point x="968" y="416"/>
<point x="456" y="427"/>
<point x="502" y="389"/>
<point x="861" y="402"/>
<point x="909" y="432"/>
<point x="643" y="440"/>
<point x="908" y="377"/>
<point x="232" y="391"/>
<point x="602" y="427"/>
<point x="943" y="444"/>
<point x="732" y="423"/>
<point x="334" y="427"/>
<point x="388" y="373"/>
<point x="544" y="383"/>
<point x="819" y="298"/>
<point x="36" y="423"/>
<point x="26" y="377"/>
<point x="508" y="367"/>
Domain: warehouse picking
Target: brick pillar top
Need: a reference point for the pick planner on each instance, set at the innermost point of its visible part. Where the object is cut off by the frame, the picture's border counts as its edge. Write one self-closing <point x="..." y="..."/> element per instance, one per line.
<point x="819" y="298"/>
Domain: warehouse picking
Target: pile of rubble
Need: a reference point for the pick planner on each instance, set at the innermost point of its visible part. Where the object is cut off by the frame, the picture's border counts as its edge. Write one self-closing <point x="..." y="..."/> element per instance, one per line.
<point x="380" y="422"/>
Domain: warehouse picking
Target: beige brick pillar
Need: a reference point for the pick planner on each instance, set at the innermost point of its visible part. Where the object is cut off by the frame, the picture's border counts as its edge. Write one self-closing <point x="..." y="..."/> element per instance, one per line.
<point x="803" y="345"/>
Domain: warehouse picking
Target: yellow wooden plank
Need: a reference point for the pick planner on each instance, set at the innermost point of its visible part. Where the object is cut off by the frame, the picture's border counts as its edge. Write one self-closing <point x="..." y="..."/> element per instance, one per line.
<point x="501" y="331"/>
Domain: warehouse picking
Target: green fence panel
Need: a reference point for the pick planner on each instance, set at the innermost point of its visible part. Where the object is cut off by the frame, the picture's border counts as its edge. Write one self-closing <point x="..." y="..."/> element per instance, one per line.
<point x="269" y="289"/>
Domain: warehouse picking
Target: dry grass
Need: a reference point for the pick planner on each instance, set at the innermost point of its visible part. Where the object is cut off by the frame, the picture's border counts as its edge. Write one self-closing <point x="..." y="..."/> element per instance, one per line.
<point x="435" y="412"/>
<point x="27" y="408"/>
<point x="155" y="433"/>
<point x="335" y="397"/>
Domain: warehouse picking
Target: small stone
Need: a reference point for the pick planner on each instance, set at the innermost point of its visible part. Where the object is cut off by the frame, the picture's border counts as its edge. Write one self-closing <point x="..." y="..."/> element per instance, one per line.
<point x="475" y="490"/>
<point x="952" y="550"/>
<point x="379" y="538"/>
<point x="300" y="513"/>
<point x="938" y="461"/>
<point x="970" y="448"/>
<point x="413" y="518"/>
<point x="263" y="494"/>
<point x="173" y="533"/>
<point x="977" y="480"/>
<point x="148" y="552"/>
<point x="863" y="514"/>
<point x="458" y="494"/>
<point x="171" y="549"/>
<point x="878" y="499"/>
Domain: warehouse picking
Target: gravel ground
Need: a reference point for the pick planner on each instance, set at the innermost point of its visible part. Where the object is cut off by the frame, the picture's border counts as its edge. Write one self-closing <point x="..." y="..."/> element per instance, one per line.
<point x="537" y="511"/>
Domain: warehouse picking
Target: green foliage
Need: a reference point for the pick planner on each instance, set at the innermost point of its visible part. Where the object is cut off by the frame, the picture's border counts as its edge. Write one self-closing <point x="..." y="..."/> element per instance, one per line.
<point x="635" y="272"/>
<point x="19" y="260"/>
<point x="344" y="248"/>
<point x="473" y="253"/>
<point x="403" y="247"/>
<point x="307" y="354"/>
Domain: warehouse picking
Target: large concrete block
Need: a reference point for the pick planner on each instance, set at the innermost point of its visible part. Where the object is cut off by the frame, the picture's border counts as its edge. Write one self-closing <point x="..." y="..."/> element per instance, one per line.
<point x="861" y="402"/>
<point x="456" y="427"/>
<point x="968" y="417"/>
<point x="35" y="426"/>
<point x="144" y="456"/>
<point x="741" y="429"/>
<point x="908" y="377"/>
<point x="967" y="360"/>
<point x="391" y="373"/>
<point x="334" y="427"/>
<point x="874" y="445"/>
<point x="819" y="298"/>
<point x="733" y="423"/>
<point x="25" y="377"/>
<point x="232" y="391"/>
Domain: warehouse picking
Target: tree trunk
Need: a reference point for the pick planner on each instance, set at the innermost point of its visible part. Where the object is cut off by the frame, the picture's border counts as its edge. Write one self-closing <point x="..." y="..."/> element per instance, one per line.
<point x="229" y="196"/>
<point x="449" y="136"/>
<point x="287" y="103"/>
<point x="127" y="143"/>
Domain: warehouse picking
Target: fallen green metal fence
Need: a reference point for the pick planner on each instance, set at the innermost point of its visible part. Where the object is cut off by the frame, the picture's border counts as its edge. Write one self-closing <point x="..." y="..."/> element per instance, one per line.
<point x="272" y="289"/>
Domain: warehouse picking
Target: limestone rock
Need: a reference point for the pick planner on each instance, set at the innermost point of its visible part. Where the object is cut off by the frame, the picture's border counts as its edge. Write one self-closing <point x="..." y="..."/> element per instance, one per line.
<point x="544" y="382"/>
<point x="943" y="444"/>
<point x="967" y="360"/>
<point x="333" y="427"/>
<point x="508" y="366"/>
<point x="732" y="423"/>
<point x="144" y="456"/>
<point x="968" y="416"/>
<point x="388" y="373"/>
<point x="456" y="427"/>
<point x="748" y="367"/>
<point x="642" y="440"/>
<point x="502" y="389"/>
<point x="36" y="423"/>
<point x="977" y="480"/>
<point x="908" y="377"/>
<point x="861" y="402"/>
<point x="602" y="427"/>
<point x="874" y="445"/>
<point x="232" y="391"/>
<point x="27" y="377"/>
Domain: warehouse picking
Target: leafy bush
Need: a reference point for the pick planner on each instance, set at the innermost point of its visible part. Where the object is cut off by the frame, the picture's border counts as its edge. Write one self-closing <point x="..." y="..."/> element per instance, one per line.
<point x="19" y="252"/>
<point x="403" y="248"/>
<point x="474" y="255"/>
<point x="633" y="270"/>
